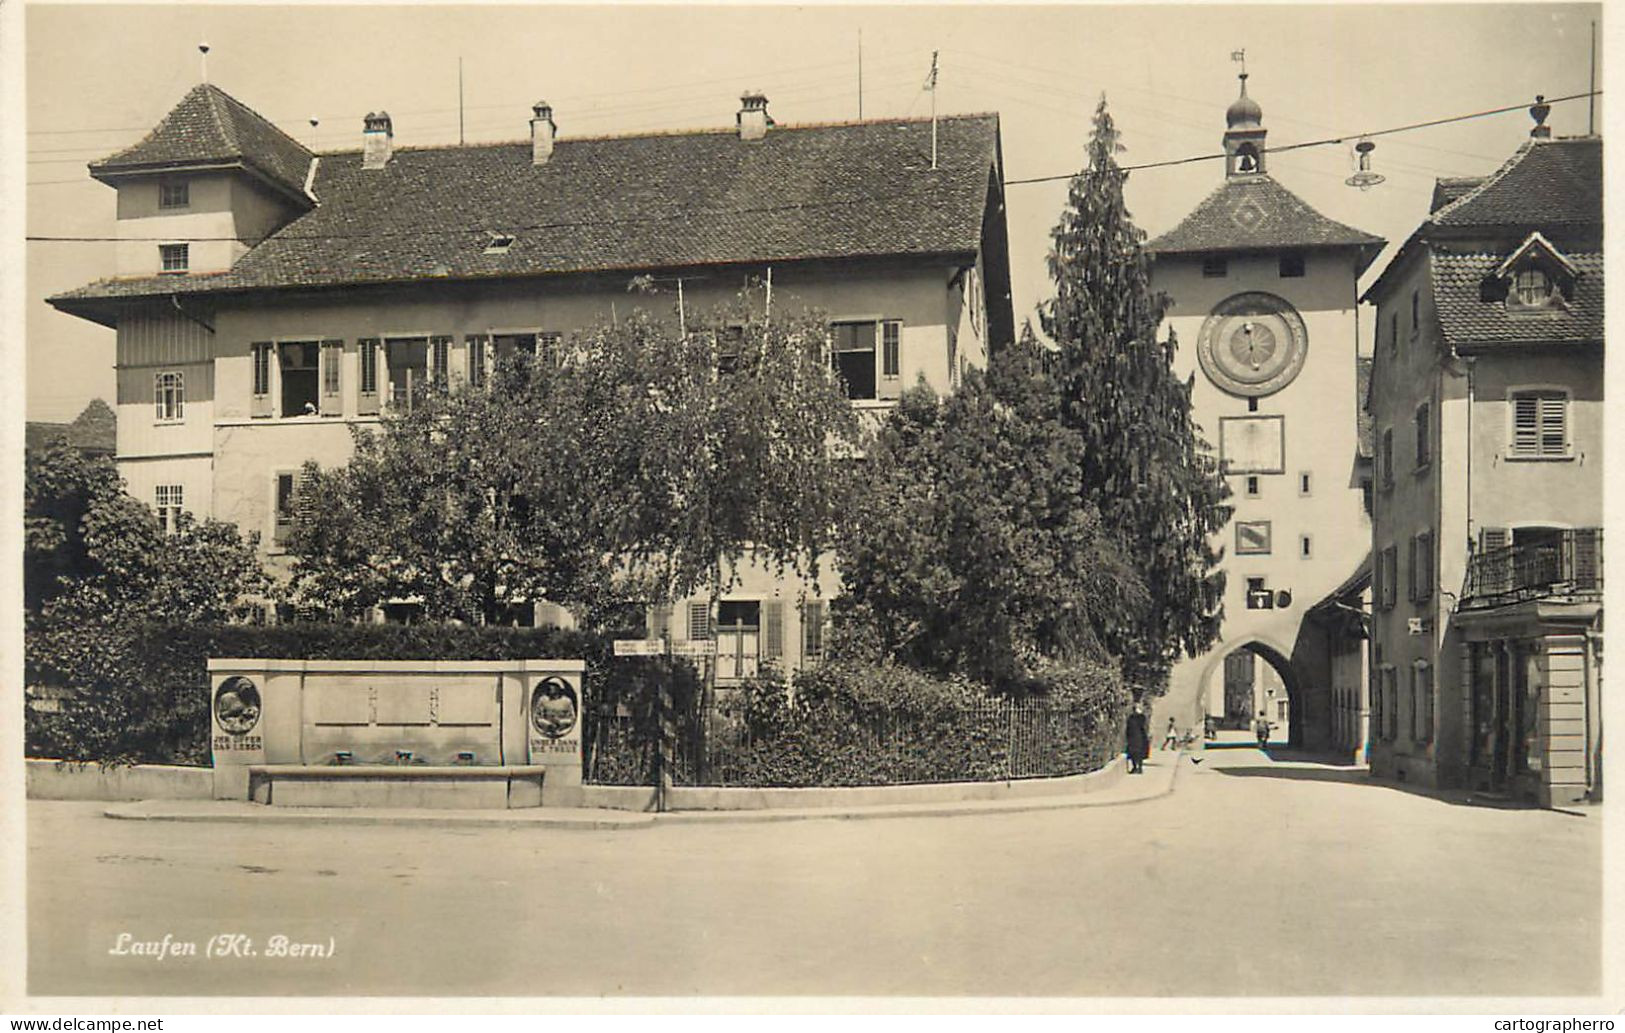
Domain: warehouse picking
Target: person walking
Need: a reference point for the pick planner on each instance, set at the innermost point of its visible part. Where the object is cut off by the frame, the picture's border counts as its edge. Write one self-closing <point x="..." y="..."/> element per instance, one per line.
<point x="1137" y="740"/>
<point x="1170" y="738"/>
<point x="1262" y="728"/>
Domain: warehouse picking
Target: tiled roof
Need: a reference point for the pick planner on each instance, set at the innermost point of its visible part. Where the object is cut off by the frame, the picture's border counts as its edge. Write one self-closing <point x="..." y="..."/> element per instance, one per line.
<point x="1366" y="422"/>
<point x="1448" y="188"/>
<point x="1255" y="213"/>
<point x="1548" y="182"/>
<point x="621" y="203"/>
<point x="93" y="430"/>
<point x="1468" y="319"/>
<point x="208" y="126"/>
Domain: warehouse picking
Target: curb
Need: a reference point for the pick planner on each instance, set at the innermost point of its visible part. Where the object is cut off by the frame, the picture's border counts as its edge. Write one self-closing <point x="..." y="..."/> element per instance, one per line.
<point x="601" y="820"/>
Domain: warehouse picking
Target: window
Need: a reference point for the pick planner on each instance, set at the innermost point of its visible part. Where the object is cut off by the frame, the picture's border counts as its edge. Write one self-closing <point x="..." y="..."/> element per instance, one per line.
<point x="1531" y="288"/>
<point x="1252" y="489"/>
<point x="168" y="505"/>
<point x="1540" y="425"/>
<point x="550" y="347"/>
<point x="298" y="363"/>
<point x="1306" y="547"/>
<point x="1259" y="597"/>
<point x="440" y="362"/>
<point x="474" y="349"/>
<point x="1393" y="333"/>
<point x="730" y="344"/>
<point x="891" y="347"/>
<point x="498" y="243"/>
<point x="1215" y="267"/>
<point x="1422" y="567"/>
<point x="1416" y="312"/>
<point x="406" y="361"/>
<point x="812" y="630"/>
<point x="1385" y="458"/>
<point x="1424" y="435"/>
<point x="169" y="396"/>
<point x="1252" y="404"/>
<point x="1292" y="264"/>
<point x="1305" y="484"/>
<point x="739" y="639"/>
<point x="174" y="194"/>
<point x="853" y="356"/>
<point x="287" y="507"/>
<point x="172" y="258"/>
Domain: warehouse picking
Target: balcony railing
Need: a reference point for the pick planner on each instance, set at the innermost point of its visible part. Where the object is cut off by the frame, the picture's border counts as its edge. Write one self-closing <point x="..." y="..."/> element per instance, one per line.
<point x="1568" y="564"/>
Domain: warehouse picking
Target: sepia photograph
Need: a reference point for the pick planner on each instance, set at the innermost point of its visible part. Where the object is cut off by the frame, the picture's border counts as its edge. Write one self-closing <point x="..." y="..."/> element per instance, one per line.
<point x="1085" y="506"/>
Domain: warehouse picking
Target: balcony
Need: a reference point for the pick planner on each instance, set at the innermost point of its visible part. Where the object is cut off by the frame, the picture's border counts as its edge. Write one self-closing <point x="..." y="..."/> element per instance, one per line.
<point x="1560" y="565"/>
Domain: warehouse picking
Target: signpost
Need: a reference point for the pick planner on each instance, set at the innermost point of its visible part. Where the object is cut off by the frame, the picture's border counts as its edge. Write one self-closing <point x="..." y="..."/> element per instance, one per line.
<point x="640" y="647"/>
<point x="668" y="729"/>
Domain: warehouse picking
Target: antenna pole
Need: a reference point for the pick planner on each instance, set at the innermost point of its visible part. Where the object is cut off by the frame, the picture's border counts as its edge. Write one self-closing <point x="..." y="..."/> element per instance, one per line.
<point x="1591" y="101"/>
<point x="933" y="87"/>
<point x="459" y="101"/>
<point x="860" y="72"/>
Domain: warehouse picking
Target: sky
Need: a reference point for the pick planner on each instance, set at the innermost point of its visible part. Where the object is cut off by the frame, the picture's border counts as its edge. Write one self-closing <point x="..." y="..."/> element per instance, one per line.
<point x="98" y="77"/>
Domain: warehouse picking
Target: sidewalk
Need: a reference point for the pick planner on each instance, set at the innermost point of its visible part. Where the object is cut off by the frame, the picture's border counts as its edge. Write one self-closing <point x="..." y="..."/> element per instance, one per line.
<point x="1161" y="771"/>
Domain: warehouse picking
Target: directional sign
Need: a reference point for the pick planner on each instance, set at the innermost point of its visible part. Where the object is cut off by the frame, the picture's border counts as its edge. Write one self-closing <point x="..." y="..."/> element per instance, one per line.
<point x="706" y="647"/>
<point x="640" y="646"/>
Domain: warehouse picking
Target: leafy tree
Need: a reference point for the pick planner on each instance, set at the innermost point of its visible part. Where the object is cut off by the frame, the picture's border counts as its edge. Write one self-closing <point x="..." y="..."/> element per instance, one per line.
<point x="97" y="569"/>
<point x="969" y="552"/>
<point x="1143" y="465"/>
<point x="644" y="465"/>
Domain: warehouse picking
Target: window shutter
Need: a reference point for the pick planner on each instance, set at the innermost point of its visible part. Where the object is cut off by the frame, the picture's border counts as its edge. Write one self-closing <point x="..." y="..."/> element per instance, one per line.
<point x="1425" y="564"/>
<point x="1526" y="424"/>
<point x="699" y="621"/>
<point x="1492" y="538"/>
<point x="891" y="354"/>
<point x="332" y="377"/>
<point x="1554" y="436"/>
<point x="367" y="397"/>
<point x="1587" y="560"/>
<point x="261" y="353"/>
<point x="158" y="396"/>
<point x="474" y="352"/>
<point x="773" y="632"/>
<point x="812" y="630"/>
<point x="439" y="362"/>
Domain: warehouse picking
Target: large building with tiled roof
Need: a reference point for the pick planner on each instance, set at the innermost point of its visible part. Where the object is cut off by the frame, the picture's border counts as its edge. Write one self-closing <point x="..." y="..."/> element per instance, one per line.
<point x="269" y="298"/>
<point x="1263" y="298"/>
<point x="1487" y="399"/>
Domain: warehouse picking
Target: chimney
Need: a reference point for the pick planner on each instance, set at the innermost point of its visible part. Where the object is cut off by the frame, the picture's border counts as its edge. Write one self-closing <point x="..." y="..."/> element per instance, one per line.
<point x="542" y="132"/>
<point x="377" y="140"/>
<point x="1542" y="131"/>
<point x="753" y="116"/>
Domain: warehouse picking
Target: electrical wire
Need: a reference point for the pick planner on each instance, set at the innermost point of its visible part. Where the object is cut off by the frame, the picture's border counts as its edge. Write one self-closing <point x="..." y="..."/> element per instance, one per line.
<point x="1345" y="138"/>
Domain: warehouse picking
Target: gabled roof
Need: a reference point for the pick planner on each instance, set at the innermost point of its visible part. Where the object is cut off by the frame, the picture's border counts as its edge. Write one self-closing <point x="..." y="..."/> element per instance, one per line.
<point x="210" y="127"/>
<point x="1536" y="244"/>
<point x="1257" y="213"/>
<point x="1448" y="188"/>
<point x="623" y="203"/>
<point x="94" y="430"/>
<point x="1472" y="320"/>
<point x="1549" y="182"/>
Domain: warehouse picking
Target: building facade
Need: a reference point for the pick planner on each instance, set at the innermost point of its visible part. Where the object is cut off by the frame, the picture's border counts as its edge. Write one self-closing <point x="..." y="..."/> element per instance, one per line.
<point x="1263" y="301"/>
<point x="1487" y="534"/>
<point x="270" y="299"/>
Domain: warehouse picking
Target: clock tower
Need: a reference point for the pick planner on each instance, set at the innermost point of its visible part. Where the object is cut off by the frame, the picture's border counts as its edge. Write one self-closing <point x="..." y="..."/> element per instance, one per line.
<point x="1263" y="297"/>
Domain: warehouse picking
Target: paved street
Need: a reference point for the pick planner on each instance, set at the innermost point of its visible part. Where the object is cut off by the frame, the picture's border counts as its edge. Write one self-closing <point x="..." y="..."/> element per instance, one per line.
<point x="1367" y="889"/>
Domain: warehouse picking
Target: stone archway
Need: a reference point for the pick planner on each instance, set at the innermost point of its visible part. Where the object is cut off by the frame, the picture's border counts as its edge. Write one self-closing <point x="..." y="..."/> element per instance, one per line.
<point x="1277" y="660"/>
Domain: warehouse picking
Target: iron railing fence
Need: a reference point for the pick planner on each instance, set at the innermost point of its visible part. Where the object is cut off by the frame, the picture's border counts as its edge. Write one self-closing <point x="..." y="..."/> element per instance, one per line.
<point x="1566" y="564"/>
<point x="991" y="740"/>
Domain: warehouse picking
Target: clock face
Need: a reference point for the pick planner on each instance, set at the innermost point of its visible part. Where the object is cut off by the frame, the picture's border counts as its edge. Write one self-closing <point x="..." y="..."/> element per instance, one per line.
<point x="1253" y="344"/>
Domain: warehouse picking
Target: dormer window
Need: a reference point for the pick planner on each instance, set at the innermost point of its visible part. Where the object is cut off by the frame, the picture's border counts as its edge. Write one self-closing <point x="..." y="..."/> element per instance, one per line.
<point x="174" y="194"/>
<point x="1534" y="278"/>
<point x="499" y="243"/>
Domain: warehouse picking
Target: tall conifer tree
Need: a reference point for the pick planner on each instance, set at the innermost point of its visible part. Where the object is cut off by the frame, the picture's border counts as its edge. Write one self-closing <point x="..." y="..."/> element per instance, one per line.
<point x="1145" y="467"/>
